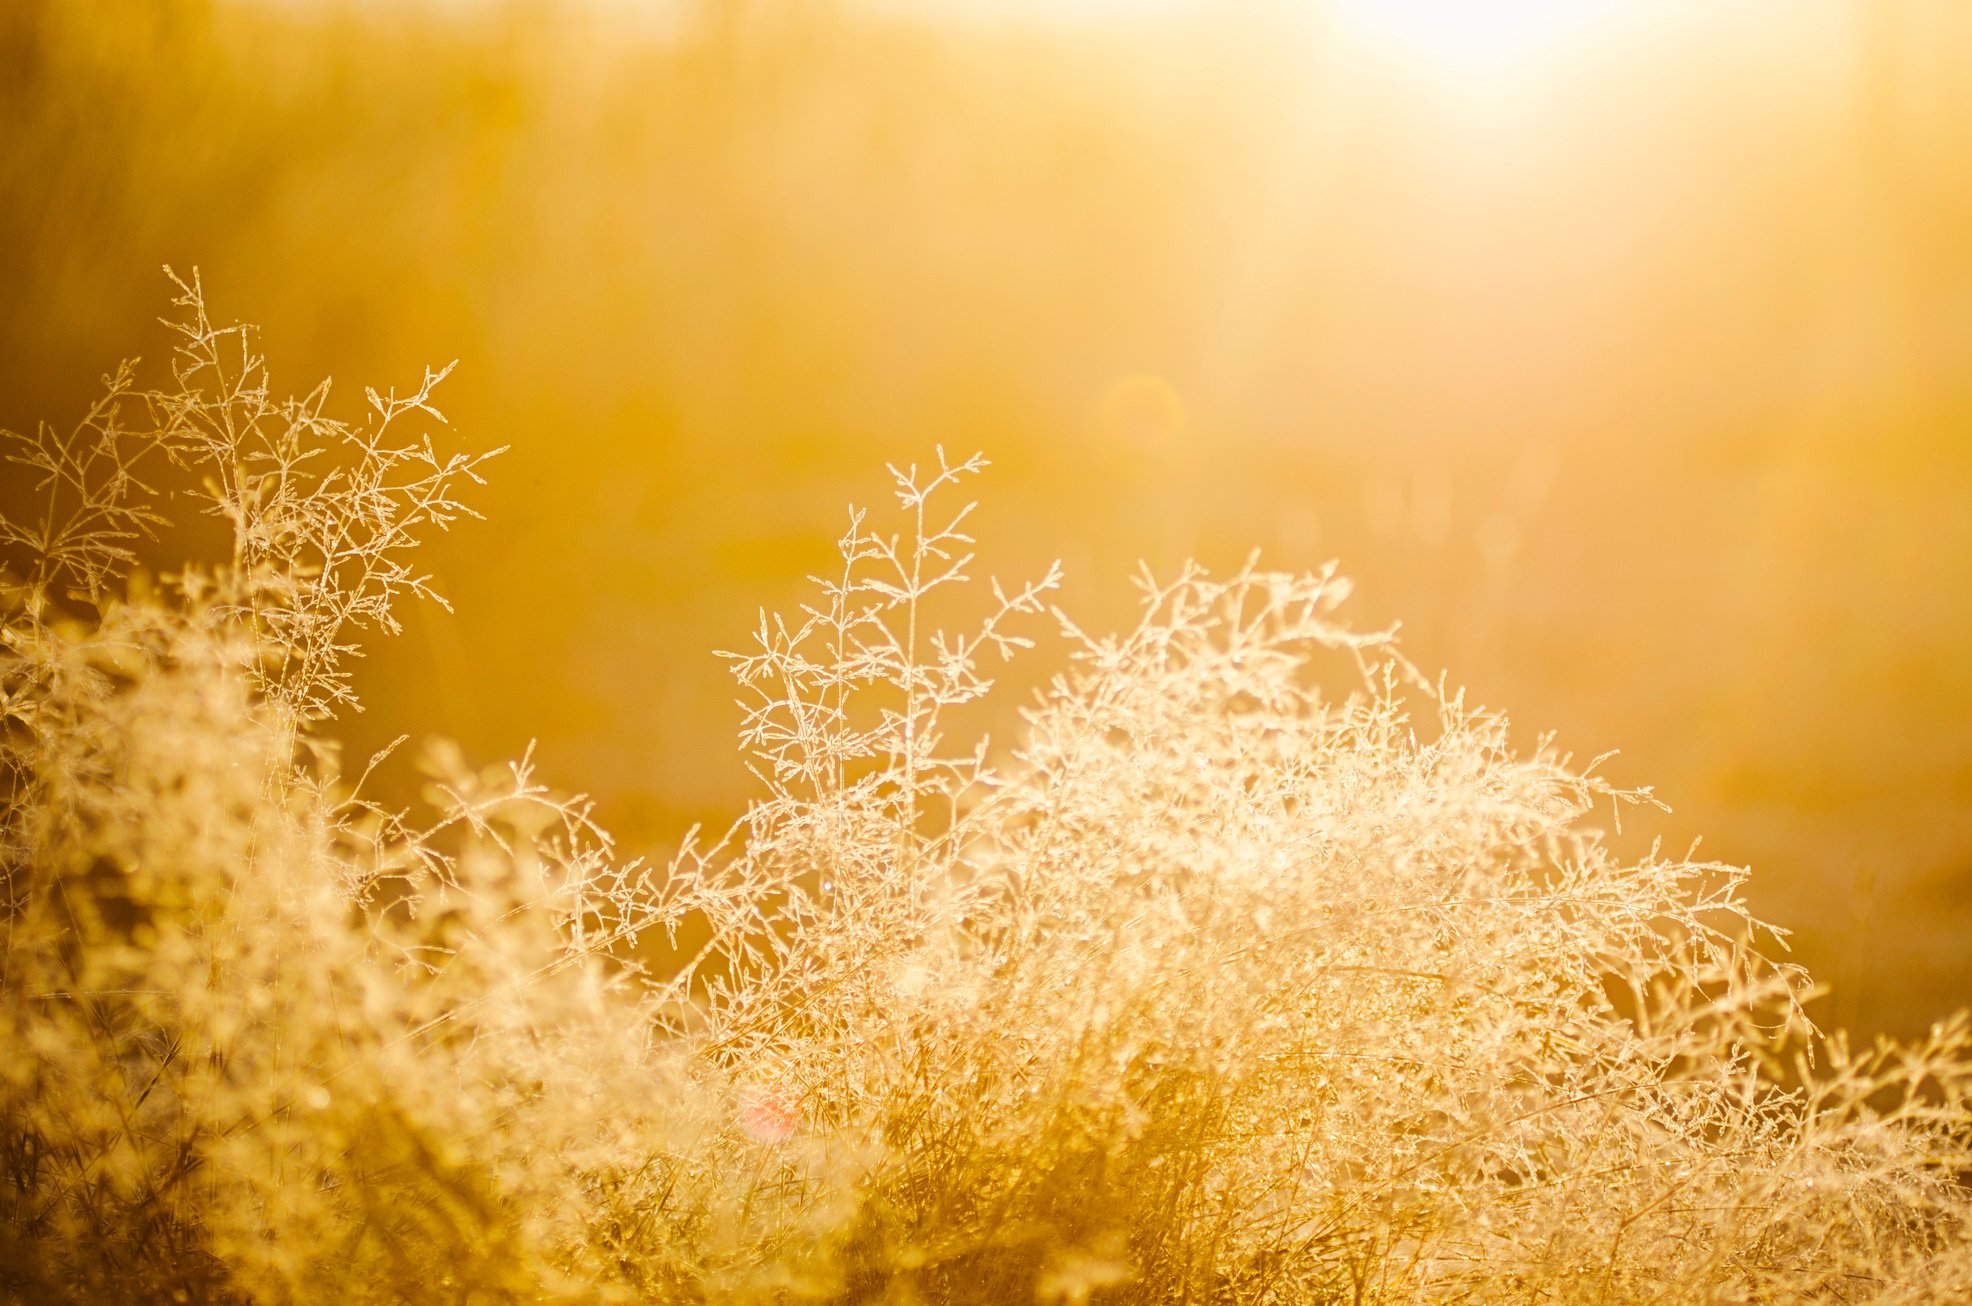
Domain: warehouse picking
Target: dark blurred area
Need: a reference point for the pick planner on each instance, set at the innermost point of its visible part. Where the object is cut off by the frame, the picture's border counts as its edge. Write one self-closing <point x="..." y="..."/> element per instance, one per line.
<point x="1634" y="375"/>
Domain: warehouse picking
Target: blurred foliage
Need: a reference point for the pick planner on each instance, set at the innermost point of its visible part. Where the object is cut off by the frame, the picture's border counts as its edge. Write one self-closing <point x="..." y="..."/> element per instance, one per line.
<point x="1641" y="393"/>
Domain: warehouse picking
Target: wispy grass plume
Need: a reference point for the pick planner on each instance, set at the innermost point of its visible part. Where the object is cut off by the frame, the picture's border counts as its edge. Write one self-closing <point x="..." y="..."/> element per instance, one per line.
<point x="1255" y="968"/>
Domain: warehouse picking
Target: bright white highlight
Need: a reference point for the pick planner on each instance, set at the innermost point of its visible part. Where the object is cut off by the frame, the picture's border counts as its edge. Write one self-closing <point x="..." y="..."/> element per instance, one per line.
<point x="1477" y="39"/>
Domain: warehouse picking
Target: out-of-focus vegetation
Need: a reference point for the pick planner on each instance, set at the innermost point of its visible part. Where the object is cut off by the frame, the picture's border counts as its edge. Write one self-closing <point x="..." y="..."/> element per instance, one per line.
<point x="1639" y="388"/>
<point x="1255" y="970"/>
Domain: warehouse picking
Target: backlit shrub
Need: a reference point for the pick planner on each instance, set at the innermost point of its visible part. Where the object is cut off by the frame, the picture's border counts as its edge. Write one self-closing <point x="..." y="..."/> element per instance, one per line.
<point x="1258" y="968"/>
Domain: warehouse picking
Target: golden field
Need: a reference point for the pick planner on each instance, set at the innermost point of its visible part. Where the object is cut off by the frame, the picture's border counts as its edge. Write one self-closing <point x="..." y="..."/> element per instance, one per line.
<point x="1621" y="352"/>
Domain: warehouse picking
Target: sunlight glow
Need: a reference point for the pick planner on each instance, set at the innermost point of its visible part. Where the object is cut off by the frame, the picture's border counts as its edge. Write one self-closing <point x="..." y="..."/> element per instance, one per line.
<point x="1482" y="40"/>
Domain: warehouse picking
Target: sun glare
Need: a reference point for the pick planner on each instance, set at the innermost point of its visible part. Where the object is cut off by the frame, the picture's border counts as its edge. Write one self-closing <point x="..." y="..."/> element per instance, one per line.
<point x="1480" y="41"/>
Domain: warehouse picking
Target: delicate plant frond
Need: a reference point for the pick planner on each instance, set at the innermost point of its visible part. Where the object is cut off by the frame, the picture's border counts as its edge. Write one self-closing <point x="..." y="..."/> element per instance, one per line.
<point x="1256" y="967"/>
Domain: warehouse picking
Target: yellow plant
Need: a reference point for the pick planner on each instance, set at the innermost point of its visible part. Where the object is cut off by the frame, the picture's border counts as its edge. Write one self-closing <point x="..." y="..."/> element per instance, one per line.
<point x="1257" y="969"/>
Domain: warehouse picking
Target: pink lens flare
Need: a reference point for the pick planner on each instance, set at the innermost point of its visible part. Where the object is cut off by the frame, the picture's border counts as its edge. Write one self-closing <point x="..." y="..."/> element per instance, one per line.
<point x="770" y="1114"/>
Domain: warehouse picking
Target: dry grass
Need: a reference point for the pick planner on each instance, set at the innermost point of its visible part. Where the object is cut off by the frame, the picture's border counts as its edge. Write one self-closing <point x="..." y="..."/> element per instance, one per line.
<point x="1260" y="970"/>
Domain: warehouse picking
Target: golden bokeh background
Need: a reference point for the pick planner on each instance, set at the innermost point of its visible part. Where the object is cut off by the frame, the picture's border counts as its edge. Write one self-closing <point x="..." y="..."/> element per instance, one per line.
<point x="1624" y="351"/>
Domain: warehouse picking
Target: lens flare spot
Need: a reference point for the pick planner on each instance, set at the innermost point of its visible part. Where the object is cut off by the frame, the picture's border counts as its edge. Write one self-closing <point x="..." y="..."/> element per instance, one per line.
<point x="1143" y="412"/>
<point x="770" y="1113"/>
